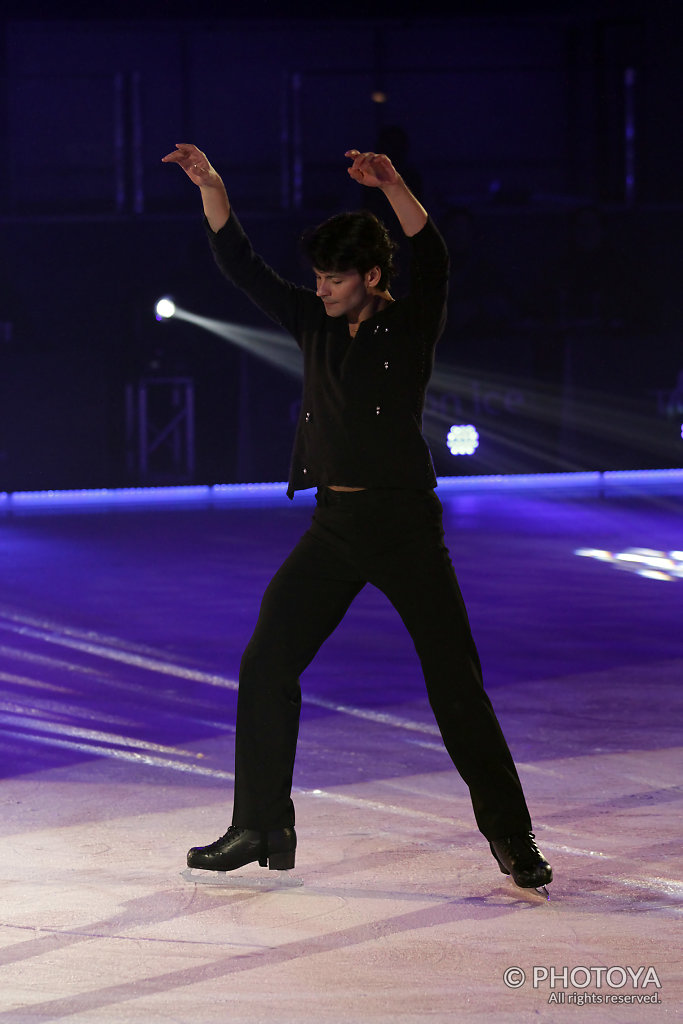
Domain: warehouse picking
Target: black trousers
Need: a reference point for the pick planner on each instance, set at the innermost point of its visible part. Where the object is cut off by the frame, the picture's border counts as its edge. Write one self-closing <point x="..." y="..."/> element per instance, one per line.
<point x="394" y="540"/>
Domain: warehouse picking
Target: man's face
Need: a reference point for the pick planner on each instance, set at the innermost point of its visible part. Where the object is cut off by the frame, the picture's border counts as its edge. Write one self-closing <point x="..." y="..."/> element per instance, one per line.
<point x="344" y="293"/>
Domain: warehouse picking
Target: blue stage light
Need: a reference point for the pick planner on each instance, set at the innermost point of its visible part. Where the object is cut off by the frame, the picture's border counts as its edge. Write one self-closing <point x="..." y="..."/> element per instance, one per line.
<point x="654" y="481"/>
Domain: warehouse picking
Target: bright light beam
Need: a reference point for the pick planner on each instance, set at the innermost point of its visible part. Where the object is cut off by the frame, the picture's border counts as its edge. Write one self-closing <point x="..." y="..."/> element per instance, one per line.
<point x="275" y="347"/>
<point x="542" y="415"/>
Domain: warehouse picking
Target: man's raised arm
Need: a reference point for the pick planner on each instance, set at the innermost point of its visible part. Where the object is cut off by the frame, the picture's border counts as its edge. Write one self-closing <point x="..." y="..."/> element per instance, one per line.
<point x="377" y="171"/>
<point x="200" y="172"/>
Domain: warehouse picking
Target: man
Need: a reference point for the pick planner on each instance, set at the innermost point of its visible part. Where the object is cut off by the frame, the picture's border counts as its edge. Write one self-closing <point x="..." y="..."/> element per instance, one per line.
<point x="367" y="361"/>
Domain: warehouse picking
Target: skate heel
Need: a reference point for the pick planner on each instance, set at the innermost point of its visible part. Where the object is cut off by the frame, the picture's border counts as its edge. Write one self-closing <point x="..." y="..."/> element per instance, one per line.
<point x="502" y="867"/>
<point x="279" y="846"/>
<point x="498" y="860"/>
<point x="280" y="861"/>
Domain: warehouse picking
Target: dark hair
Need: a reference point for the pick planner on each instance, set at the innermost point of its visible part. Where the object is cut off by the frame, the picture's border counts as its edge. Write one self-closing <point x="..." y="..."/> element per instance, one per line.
<point x="351" y="241"/>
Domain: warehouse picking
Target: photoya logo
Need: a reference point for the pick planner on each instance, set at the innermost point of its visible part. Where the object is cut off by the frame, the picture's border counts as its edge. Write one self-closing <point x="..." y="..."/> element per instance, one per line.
<point x="612" y="980"/>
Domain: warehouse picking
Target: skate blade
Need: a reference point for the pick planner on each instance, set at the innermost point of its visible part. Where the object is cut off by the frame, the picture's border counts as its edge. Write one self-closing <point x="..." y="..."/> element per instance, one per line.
<point x="230" y="880"/>
<point x="542" y="891"/>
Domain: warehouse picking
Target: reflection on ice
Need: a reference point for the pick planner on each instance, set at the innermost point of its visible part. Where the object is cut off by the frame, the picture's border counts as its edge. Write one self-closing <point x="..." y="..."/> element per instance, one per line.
<point x="655" y="565"/>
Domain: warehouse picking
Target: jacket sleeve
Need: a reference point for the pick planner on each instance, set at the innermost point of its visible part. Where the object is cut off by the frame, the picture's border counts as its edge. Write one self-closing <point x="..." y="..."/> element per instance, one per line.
<point x="285" y="303"/>
<point x="429" y="279"/>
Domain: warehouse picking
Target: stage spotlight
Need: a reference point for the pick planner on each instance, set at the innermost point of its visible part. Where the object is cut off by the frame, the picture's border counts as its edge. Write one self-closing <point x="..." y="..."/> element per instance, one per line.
<point x="462" y="439"/>
<point x="164" y="309"/>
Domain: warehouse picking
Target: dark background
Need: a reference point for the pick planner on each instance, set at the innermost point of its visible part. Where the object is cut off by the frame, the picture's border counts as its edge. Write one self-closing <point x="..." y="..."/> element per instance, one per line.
<point x="544" y="138"/>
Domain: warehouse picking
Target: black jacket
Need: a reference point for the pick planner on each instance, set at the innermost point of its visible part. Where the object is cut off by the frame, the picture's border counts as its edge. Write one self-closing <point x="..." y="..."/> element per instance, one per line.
<point x="361" y="415"/>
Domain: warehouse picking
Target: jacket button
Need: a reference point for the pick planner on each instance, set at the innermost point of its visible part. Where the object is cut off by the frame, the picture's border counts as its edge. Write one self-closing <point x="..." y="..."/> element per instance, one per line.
<point x="304" y="471"/>
<point x="377" y="410"/>
<point x="308" y="417"/>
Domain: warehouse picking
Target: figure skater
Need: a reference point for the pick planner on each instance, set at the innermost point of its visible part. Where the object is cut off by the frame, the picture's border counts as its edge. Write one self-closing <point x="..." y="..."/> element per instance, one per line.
<point x="367" y="360"/>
